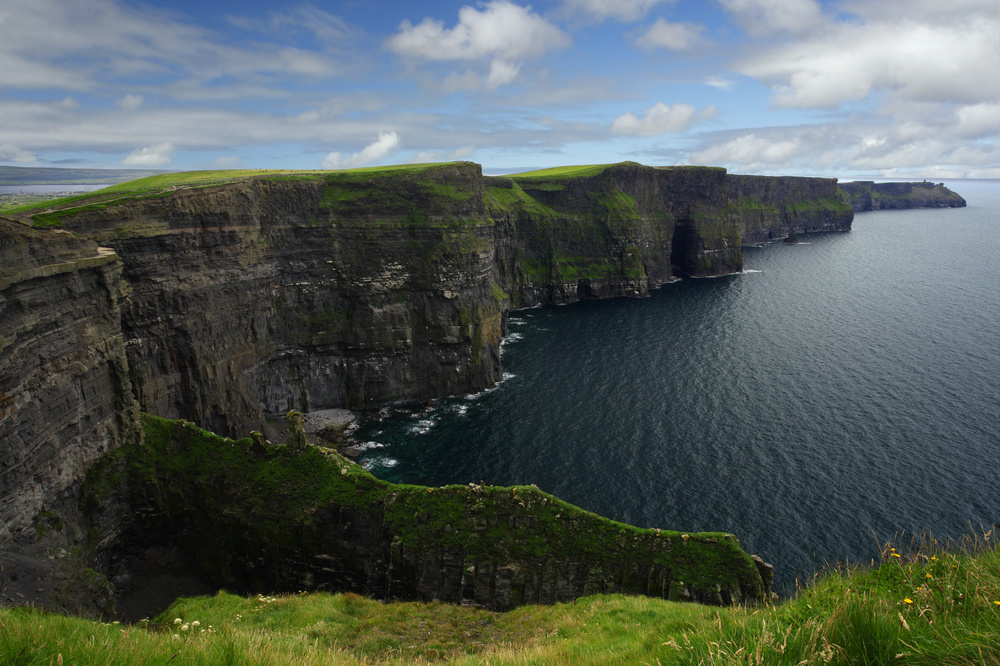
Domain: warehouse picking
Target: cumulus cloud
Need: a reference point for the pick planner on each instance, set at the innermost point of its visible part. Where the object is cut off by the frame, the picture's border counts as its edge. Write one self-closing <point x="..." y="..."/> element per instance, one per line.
<point x="130" y="102"/>
<point x="502" y="32"/>
<point x="761" y="18"/>
<point x="156" y="155"/>
<point x="671" y="36"/>
<point x="385" y="145"/>
<point x="902" y="56"/>
<point x="619" y="10"/>
<point x="661" y="119"/>
<point x="720" y="82"/>
<point x="750" y="152"/>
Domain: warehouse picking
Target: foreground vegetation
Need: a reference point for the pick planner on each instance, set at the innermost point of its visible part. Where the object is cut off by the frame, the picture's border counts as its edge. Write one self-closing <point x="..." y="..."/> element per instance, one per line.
<point x="921" y="605"/>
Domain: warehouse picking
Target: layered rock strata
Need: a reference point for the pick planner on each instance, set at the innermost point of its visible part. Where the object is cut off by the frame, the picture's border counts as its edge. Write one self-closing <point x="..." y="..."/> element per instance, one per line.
<point x="361" y="289"/>
<point x="65" y="398"/>
<point x="232" y="303"/>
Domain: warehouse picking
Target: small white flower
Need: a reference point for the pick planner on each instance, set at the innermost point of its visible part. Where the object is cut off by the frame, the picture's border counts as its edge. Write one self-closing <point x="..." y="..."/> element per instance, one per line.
<point x="177" y="620"/>
<point x="185" y="627"/>
<point x="196" y="623"/>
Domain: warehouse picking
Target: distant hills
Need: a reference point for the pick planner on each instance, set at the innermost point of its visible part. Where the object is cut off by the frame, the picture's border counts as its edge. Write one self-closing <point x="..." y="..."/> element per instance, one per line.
<point x="12" y="176"/>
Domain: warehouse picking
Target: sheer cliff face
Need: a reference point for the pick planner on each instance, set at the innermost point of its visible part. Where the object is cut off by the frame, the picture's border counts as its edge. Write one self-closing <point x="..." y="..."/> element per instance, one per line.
<point x="769" y="208"/>
<point x="65" y="399"/>
<point x="366" y="288"/>
<point x="263" y="296"/>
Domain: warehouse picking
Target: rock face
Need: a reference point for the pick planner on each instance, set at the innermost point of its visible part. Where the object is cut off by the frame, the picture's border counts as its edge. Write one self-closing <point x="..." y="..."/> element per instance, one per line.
<point x="361" y="289"/>
<point x="769" y="208"/>
<point x="232" y="304"/>
<point x="65" y="399"/>
<point x="869" y="195"/>
<point x="266" y="519"/>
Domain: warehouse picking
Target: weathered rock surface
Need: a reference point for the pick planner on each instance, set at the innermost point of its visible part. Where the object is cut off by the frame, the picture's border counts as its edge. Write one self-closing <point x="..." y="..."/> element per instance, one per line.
<point x="65" y="399"/>
<point x="280" y="519"/>
<point x="356" y="290"/>
<point x="869" y="195"/>
<point x="231" y="304"/>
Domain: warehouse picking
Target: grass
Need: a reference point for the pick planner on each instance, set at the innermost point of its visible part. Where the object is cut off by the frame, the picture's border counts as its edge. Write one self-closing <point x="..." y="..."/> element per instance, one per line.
<point x="923" y="604"/>
<point x="164" y="184"/>
<point x="576" y="171"/>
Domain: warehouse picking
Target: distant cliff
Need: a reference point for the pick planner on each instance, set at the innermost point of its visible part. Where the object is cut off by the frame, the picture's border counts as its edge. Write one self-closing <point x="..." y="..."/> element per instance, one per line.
<point x="869" y="195"/>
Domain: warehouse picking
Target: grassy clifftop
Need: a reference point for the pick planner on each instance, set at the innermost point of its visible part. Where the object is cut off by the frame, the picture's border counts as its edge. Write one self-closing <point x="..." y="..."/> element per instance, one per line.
<point x="919" y="605"/>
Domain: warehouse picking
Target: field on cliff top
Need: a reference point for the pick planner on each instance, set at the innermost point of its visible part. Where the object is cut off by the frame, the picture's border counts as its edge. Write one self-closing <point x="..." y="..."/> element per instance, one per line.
<point x="922" y="604"/>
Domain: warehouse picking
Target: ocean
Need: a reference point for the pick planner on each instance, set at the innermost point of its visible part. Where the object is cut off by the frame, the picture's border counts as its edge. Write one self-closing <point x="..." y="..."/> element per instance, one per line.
<point x="837" y="394"/>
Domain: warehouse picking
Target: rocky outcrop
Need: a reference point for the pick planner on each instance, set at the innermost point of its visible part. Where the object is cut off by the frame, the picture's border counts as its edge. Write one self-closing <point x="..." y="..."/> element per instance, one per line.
<point x="65" y="399"/>
<point x="268" y="519"/>
<point x="869" y="195"/>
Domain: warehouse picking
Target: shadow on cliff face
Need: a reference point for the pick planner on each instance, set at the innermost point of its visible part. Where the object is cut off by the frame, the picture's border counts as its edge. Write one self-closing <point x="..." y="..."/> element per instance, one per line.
<point x="158" y="575"/>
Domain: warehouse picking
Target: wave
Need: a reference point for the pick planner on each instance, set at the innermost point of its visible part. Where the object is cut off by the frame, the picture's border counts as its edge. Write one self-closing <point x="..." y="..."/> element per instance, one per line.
<point x="384" y="462"/>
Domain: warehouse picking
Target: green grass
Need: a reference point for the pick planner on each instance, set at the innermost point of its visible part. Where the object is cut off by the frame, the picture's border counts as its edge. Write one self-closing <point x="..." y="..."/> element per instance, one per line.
<point x="930" y="605"/>
<point x="163" y="185"/>
<point x="577" y="171"/>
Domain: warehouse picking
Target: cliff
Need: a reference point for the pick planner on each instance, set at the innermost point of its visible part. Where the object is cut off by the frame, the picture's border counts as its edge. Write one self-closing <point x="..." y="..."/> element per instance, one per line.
<point x="365" y="288"/>
<point x="230" y="301"/>
<point x="869" y="195"/>
<point x="65" y="399"/>
<point x="296" y="517"/>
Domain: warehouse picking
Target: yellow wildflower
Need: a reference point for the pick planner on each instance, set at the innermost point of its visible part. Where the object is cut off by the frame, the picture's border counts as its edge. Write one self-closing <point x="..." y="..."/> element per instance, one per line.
<point x="908" y="600"/>
<point x="896" y="555"/>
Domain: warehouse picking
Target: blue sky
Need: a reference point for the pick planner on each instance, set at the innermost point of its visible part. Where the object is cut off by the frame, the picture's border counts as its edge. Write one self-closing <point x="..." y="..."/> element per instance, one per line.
<point x="848" y="88"/>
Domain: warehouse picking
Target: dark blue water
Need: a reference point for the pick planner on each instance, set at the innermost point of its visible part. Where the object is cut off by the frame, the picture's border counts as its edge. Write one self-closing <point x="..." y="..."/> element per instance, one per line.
<point x="838" y="393"/>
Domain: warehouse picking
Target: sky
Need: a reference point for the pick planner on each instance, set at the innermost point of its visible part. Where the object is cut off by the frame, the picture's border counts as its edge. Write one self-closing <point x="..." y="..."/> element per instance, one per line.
<point x="838" y="88"/>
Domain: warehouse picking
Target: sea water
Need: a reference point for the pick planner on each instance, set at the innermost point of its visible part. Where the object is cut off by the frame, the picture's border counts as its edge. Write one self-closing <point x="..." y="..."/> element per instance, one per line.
<point x="837" y="394"/>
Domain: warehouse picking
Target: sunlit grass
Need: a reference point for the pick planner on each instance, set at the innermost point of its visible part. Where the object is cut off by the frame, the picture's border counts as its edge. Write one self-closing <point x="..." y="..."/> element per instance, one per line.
<point x="923" y="604"/>
<point x="576" y="171"/>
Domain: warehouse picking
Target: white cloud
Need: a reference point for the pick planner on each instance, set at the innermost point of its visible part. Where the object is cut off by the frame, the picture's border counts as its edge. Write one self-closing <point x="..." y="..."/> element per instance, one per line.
<point x="671" y="36"/>
<point x="9" y="153"/>
<point x="661" y="119"/>
<point x="130" y="102"/>
<point x="505" y="33"/>
<point x="762" y="18"/>
<point x="750" y="152"/>
<point x="226" y="163"/>
<point x="426" y="156"/>
<point x="720" y="82"/>
<point x="903" y="57"/>
<point x="386" y="144"/>
<point x="156" y="155"/>
<point x="620" y="10"/>
<point x="501" y="73"/>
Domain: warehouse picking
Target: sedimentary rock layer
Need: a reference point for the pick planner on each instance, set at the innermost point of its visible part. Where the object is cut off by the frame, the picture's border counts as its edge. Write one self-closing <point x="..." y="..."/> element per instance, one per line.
<point x="361" y="289"/>
<point x="65" y="398"/>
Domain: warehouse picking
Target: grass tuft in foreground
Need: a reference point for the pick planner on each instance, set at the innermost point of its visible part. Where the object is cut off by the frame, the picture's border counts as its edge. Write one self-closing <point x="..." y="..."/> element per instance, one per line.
<point x="924" y="604"/>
